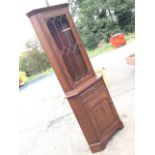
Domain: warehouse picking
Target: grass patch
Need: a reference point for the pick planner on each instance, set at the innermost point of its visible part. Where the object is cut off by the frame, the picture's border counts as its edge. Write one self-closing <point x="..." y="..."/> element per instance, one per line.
<point x="107" y="46"/>
<point x="98" y="51"/>
<point x="130" y="37"/>
<point x="36" y="76"/>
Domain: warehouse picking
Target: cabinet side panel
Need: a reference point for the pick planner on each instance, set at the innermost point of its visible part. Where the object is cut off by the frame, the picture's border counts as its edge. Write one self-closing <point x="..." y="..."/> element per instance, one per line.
<point x="50" y="50"/>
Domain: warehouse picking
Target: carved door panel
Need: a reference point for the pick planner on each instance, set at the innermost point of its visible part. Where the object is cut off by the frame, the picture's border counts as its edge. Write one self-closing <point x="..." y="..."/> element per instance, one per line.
<point x="100" y="112"/>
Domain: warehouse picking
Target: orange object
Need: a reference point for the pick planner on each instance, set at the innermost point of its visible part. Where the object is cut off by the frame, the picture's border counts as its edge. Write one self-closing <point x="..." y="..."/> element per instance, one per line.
<point x="118" y="40"/>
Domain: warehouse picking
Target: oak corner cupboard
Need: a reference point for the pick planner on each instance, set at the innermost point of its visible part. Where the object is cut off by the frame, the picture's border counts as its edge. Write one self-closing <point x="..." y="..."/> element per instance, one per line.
<point x="87" y="94"/>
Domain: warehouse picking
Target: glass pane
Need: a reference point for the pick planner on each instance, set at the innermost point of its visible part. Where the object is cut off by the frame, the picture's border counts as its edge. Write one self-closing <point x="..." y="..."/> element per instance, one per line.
<point x="64" y="38"/>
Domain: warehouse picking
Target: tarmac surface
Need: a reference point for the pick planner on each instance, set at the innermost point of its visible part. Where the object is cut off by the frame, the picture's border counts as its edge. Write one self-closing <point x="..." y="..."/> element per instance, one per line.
<point x="48" y="125"/>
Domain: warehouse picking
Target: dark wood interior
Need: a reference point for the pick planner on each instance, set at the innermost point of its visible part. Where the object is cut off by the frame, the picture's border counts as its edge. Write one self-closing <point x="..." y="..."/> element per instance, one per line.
<point x="87" y="94"/>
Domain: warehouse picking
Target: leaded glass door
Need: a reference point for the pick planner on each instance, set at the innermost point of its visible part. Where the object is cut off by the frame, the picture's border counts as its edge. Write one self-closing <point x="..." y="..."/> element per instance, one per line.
<point x="69" y="48"/>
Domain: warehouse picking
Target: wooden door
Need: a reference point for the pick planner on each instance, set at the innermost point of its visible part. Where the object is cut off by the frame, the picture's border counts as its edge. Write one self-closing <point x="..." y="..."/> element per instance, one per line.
<point x="68" y="48"/>
<point x="100" y="112"/>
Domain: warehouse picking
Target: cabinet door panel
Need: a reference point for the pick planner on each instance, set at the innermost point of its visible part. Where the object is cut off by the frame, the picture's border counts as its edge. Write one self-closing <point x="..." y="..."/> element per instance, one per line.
<point x="100" y="112"/>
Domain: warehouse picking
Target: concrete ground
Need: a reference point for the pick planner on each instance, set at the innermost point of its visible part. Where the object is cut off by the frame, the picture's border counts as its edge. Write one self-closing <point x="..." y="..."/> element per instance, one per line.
<point x="48" y="125"/>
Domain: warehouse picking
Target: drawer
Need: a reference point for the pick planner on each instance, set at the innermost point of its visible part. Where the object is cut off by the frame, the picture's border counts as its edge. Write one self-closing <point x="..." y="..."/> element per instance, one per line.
<point x="93" y="91"/>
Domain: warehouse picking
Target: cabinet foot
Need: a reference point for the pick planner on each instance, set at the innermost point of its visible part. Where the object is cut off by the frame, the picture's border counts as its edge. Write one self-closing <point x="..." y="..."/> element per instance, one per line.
<point x="99" y="146"/>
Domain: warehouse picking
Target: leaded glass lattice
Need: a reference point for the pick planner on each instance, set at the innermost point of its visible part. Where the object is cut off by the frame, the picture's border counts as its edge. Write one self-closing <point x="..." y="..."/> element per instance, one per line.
<point x="70" y="52"/>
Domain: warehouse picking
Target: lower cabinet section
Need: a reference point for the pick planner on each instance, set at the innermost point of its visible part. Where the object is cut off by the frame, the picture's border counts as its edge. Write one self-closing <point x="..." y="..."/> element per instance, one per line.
<point x="96" y="114"/>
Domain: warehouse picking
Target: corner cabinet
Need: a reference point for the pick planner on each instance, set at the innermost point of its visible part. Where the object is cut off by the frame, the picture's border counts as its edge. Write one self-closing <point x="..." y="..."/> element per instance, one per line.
<point x="87" y="94"/>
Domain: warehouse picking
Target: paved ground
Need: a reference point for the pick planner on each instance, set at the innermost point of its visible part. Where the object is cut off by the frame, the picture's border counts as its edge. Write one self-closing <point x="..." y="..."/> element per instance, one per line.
<point x="48" y="125"/>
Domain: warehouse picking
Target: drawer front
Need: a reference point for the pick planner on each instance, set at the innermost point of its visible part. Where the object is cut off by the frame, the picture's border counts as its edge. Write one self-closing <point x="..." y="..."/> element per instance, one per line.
<point x="93" y="91"/>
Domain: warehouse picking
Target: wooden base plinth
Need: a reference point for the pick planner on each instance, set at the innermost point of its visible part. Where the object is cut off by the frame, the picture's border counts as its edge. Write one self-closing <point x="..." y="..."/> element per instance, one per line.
<point x="99" y="146"/>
